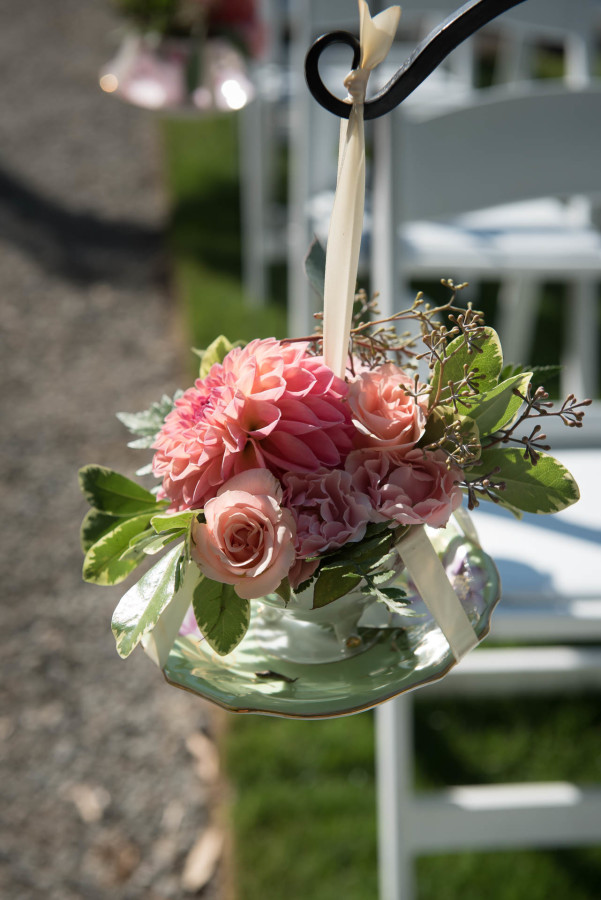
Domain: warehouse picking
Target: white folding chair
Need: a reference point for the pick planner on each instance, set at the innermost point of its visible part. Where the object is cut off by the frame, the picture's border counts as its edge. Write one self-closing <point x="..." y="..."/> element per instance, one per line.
<point x="503" y="146"/>
<point x="551" y="608"/>
<point x="516" y="211"/>
<point x="314" y="132"/>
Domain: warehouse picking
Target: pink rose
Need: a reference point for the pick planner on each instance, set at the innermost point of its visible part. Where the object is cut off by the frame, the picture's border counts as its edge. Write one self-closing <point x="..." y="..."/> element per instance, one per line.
<point x="328" y="510"/>
<point x="420" y="489"/>
<point x="248" y="539"/>
<point x="385" y="414"/>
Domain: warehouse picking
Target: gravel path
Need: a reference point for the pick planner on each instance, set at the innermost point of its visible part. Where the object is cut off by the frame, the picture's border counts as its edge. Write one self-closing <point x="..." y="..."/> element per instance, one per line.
<point x="106" y="778"/>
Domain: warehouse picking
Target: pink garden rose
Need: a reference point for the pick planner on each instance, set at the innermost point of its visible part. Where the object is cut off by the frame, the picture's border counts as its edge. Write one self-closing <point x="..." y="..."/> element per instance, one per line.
<point x="413" y="488"/>
<point x="248" y="539"/>
<point x="387" y="417"/>
<point x="268" y="405"/>
<point x="327" y="509"/>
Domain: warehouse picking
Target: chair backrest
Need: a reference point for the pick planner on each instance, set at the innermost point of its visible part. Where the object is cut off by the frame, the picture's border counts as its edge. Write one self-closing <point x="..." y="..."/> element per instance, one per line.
<point x="510" y="144"/>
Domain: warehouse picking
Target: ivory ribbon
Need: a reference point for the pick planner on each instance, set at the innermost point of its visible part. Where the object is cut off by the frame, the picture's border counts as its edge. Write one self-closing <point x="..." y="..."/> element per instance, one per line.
<point x="158" y="642"/>
<point x="430" y="578"/>
<point x="346" y="224"/>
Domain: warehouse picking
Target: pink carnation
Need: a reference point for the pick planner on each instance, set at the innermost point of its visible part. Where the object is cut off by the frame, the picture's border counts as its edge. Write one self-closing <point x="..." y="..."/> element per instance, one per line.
<point x="301" y="571"/>
<point x="413" y="488"/>
<point x="328" y="510"/>
<point x="248" y="539"/>
<point x="385" y="414"/>
<point x="268" y="405"/>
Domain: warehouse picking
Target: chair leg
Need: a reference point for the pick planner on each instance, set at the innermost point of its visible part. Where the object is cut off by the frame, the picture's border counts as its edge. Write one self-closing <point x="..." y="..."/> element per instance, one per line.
<point x="517" y="310"/>
<point x="394" y="762"/>
<point x="254" y="200"/>
<point x="581" y="354"/>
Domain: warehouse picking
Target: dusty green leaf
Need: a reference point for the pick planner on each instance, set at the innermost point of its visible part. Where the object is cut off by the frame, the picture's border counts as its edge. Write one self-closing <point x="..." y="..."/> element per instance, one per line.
<point x="139" y="609"/>
<point x="146" y="425"/>
<point x="222" y="616"/>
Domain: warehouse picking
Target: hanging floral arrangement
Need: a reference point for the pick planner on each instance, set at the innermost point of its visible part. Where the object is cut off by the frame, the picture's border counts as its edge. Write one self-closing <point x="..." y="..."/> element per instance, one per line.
<point x="310" y="494"/>
<point x="186" y="53"/>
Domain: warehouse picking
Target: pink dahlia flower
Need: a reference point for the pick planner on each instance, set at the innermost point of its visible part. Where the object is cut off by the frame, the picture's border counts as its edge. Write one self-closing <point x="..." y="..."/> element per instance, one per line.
<point x="268" y="405"/>
<point x="385" y="414"/>
<point x="248" y="538"/>
<point x="328" y="510"/>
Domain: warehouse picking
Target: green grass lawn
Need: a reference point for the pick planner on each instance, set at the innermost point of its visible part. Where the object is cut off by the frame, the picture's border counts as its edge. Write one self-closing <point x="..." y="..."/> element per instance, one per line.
<point x="303" y="808"/>
<point x="303" y="801"/>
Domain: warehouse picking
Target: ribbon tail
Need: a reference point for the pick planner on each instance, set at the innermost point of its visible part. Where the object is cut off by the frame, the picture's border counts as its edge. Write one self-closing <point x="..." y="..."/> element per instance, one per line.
<point x="426" y="571"/>
<point x="158" y="642"/>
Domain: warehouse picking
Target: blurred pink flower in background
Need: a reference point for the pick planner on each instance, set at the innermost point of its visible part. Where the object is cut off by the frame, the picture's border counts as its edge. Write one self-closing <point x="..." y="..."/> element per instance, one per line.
<point x="142" y="76"/>
<point x="268" y="405"/>
<point x="248" y="539"/>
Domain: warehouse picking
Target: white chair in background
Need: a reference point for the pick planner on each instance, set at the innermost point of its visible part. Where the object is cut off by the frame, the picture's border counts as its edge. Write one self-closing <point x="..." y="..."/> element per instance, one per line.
<point x="550" y="570"/>
<point x="314" y="131"/>
<point x="262" y="132"/>
<point x="495" y="187"/>
<point x="535" y="141"/>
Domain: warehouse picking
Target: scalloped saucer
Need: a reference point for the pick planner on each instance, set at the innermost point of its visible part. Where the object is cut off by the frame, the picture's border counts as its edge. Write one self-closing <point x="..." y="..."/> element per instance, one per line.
<point x="401" y="652"/>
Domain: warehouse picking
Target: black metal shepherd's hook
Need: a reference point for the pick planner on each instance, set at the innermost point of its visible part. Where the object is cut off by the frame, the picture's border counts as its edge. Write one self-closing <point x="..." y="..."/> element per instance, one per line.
<point x="422" y="62"/>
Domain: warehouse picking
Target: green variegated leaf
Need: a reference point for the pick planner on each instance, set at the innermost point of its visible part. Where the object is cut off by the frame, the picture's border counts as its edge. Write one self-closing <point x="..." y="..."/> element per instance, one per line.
<point x="546" y="487"/>
<point x="111" y="493"/>
<point x="150" y="543"/>
<point x="103" y="563"/>
<point x="139" y="609"/>
<point x="173" y="521"/>
<point x="215" y="353"/>
<point x="498" y="407"/>
<point x="315" y="267"/>
<point x="488" y="362"/>
<point x="94" y="526"/>
<point x="222" y="616"/>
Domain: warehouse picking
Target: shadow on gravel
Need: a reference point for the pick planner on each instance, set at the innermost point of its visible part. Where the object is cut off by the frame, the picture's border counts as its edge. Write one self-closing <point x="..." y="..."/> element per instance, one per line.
<point x="81" y="247"/>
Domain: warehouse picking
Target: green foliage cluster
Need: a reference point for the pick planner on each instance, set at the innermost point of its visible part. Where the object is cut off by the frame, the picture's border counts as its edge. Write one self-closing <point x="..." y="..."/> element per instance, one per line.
<point x="150" y="15"/>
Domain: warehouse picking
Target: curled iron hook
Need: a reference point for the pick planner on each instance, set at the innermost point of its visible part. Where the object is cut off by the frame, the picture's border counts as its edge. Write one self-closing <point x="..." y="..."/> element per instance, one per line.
<point x="460" y="25"/>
